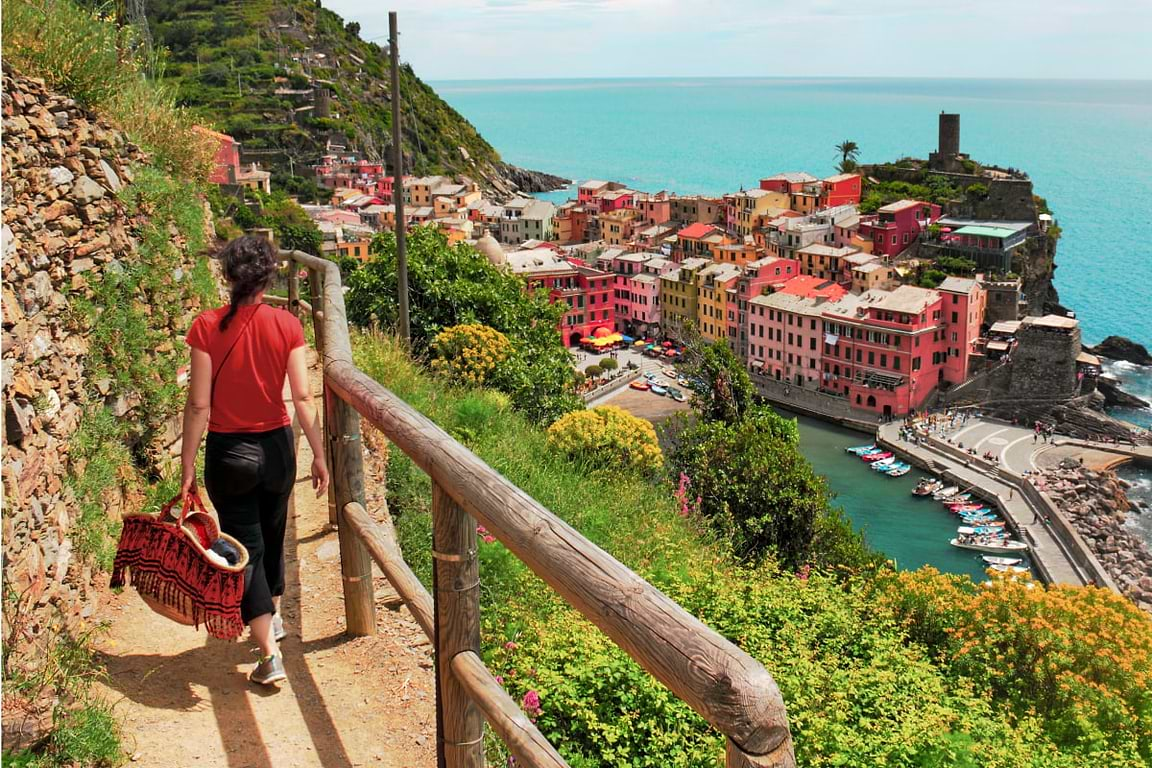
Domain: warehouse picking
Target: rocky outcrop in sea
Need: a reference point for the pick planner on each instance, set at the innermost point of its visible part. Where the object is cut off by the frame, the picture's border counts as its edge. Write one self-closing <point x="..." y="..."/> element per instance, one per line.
<point x="1095" y="503"/>
<point x="1120" y="348"/>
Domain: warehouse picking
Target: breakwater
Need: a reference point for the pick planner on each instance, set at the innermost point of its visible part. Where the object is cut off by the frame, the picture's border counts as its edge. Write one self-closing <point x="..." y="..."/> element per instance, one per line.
<point x="1094" y="502"/>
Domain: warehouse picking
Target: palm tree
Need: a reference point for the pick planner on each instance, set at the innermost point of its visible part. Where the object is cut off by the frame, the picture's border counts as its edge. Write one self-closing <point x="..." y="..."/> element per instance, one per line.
<point x="848" y="150"/>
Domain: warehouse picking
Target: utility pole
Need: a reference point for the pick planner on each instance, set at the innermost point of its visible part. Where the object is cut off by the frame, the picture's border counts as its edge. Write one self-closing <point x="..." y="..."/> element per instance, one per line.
<point x="398" y="184"/>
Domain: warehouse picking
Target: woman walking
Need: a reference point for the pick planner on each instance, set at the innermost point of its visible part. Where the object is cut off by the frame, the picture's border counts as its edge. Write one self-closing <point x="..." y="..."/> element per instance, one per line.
<point x="241" y="354"/>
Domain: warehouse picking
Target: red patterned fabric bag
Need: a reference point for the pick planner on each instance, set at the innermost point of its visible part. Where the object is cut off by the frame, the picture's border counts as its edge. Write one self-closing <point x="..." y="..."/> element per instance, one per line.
<point x="166" y="563"/>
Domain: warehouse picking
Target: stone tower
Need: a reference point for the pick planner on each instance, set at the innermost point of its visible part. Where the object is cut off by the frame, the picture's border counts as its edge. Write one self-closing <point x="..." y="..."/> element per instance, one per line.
<point x="323" y="101"/>
<point x="949" y="142"/>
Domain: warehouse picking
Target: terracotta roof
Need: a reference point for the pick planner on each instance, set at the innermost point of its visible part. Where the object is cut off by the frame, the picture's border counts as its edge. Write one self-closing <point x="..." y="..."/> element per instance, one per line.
<point x="809" y="285"/>
<point x="696" y="231"/>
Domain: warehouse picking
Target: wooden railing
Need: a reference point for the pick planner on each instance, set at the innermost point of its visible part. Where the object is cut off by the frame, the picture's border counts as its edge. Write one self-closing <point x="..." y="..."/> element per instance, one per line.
<point x="726" y="686"/>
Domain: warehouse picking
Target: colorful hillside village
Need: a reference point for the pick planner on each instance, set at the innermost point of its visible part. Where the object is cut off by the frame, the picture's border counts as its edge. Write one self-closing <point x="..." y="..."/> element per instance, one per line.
<point x="801" y="285"/>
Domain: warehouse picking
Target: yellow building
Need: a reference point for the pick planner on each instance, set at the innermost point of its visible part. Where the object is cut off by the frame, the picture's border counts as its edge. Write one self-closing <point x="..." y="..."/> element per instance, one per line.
<point x="713" y="284"/>
<point x="679" y="298"/>
<point x="617" y="227"/>
<point x="748" y="207"/>
<point x="736" y="253"/>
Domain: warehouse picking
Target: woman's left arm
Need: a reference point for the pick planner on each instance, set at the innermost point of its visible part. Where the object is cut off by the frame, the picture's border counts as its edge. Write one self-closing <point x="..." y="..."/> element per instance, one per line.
<point x="196" y="410"/>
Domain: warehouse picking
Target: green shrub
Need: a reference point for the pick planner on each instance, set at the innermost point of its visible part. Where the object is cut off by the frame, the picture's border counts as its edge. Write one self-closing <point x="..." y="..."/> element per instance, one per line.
<point x="452" y="285"/>
<point x="607" y="364"/>
<point x="593" y="371"/>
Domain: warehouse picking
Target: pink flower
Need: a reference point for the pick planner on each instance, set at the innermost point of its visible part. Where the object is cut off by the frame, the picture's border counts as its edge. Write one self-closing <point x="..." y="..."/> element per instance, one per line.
<point x="803" y="572"/>
<point x="488" y="538"/>
<point x="481" y="530"/>
<point x="510" y="645"/>
<point x="531" y="704"/>
<point x="500" y="679"/>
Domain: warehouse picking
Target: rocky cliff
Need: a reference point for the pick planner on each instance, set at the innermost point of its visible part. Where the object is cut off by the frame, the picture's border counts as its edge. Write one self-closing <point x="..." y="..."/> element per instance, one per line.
<point x="100" y="276"/>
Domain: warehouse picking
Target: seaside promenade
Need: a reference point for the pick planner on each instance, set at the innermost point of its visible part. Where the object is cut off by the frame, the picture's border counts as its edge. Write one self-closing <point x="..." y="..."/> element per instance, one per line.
<point x="1057" y="551"/>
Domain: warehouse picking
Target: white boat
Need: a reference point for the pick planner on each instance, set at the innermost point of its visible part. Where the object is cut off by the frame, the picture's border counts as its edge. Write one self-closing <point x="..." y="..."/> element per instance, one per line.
<point x="946" y="493"/>
<point x="927" y="486"/>
<point x="899" y="471"/>
<point x="1009" y="568"/>
<point x="982" y="531"/>
<point x="985" y="544"/>
<point x="956" y="498"/>
<point x="861" y="450"/>
<point x="878" y="465"/>
<point x="993" y="560"/>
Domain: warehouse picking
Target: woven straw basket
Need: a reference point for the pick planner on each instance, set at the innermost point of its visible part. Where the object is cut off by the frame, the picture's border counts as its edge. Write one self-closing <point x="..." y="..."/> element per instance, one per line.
<point x="166" y="561"/>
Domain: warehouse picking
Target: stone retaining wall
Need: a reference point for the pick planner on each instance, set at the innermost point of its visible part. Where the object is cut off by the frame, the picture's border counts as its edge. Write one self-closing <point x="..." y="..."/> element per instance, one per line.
<point x="64" y="229"/>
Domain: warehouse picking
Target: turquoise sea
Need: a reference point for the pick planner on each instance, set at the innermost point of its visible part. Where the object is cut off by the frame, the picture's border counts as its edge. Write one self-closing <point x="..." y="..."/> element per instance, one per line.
<point x="1086" y="144"/>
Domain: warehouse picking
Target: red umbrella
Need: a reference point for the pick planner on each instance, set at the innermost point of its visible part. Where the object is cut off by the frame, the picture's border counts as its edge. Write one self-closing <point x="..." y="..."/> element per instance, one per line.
<point x="601" y="332"/>
<point x="667" y="343"/>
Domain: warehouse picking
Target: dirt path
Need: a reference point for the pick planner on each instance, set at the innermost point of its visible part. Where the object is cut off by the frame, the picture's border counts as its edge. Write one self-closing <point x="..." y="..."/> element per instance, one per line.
<point x="184" y="698"/>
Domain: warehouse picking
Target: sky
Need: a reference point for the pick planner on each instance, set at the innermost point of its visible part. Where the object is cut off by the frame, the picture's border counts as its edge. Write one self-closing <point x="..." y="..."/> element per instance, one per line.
<point x="505" y="39"/>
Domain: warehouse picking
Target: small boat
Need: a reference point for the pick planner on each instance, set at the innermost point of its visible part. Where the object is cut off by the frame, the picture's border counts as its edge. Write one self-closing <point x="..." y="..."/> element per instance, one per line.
<point x="1013" y="569"/>
<point x="977" y="519"/>
<point x="965" y="506"/>
<point x="880" y="464"/>
<point x="860" y="450"/>
<point x="877" y="456"/>
<point x="658" y="389"/>
<point x="984" y="521"/>
<point x="982" y="530"/>
<point x="899" y="471"/>
<point x="956" y="498"/>
<point x="640" y="384"/>
<point x="987" y="544"/>
<point x="945" y="493"/>
<point x="978" y="512"/>
<point x="993" y="560"/>
<point x="927" y="486"/>
<point x="670" y="373"/>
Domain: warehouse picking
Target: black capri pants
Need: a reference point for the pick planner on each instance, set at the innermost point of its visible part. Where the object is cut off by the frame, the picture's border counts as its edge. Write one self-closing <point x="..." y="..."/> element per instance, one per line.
<point x="249" y="477"/>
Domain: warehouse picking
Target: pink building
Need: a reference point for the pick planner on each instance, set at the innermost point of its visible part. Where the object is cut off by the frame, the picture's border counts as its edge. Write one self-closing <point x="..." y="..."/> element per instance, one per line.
<point x="785" y="337"/>
<point x="636" y="292"/>
<point x="965" y="302"/>
<point x="617" y="200"/>
<point x="653" y="208"/>
<point x="226" y="161"/>
<point x="758" y="278"/>
<point x="897" y="225"/>
<point x="885" y="351"/>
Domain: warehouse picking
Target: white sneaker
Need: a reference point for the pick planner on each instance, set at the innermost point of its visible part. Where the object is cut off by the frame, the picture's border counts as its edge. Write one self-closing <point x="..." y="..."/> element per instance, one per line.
<point x="278" y="630"/>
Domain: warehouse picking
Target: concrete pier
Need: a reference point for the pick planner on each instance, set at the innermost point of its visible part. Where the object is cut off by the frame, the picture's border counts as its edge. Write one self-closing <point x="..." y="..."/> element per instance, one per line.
<point x="1058" y="553"/>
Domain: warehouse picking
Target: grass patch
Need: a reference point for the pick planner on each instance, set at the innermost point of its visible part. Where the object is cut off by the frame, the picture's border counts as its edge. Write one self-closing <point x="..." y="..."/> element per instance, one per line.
<point x="84" y="54"/>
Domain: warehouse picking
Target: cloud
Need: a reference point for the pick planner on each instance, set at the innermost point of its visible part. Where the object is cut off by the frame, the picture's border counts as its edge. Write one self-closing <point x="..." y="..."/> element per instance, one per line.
<point x="501" y="39"/>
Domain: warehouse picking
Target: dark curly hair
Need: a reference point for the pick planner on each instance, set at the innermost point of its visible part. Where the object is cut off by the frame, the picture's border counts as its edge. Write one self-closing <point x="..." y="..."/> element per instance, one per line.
<point x="249" y="264"/>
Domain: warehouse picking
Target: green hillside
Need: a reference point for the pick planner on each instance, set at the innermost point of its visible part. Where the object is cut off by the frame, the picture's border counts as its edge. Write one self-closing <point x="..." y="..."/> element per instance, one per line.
<point x="257" y="70"/>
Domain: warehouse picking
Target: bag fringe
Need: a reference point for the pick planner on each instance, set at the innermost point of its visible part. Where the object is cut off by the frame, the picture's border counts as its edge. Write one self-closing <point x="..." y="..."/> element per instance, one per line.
<point x="164" y="564"/>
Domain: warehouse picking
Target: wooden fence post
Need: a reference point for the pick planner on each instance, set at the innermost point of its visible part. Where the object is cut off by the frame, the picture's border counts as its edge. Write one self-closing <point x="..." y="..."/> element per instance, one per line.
<point x="315" y="297"/>
<point x="342" y="425"/>
<point x="460" y="723"/>
<point x="293" y="288"/>
<point x="781" y="757"/>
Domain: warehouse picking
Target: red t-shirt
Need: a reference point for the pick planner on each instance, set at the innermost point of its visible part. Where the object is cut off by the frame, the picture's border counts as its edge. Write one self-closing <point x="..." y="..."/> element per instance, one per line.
<point x="249" y="389"/>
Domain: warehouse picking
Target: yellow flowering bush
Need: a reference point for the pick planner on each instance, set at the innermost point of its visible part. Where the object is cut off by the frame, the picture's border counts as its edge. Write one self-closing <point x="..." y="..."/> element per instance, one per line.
<point x="608" y="437"/>
<point x="1079" y="657"/>
<point x="470" y="354"/>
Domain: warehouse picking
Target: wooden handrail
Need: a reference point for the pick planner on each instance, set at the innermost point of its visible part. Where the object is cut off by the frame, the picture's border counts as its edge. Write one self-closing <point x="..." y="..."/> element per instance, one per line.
<point x="725" y="685"/>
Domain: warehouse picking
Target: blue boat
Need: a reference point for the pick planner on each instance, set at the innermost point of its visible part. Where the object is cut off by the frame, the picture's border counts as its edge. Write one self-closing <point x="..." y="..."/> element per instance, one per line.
<point x="898" y="466"/>
<point x="861" y="450"/>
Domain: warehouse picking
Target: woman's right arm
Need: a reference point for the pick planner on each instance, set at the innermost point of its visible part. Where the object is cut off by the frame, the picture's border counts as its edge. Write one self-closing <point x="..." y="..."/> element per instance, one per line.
<point x="301" y="386"/>
<point x="196" y="411"/>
